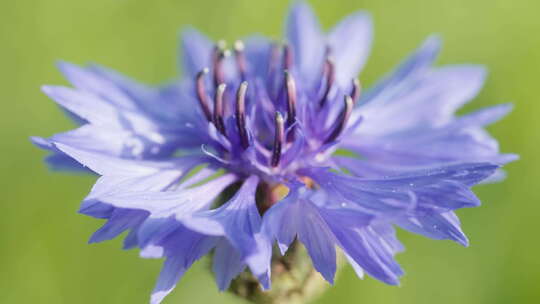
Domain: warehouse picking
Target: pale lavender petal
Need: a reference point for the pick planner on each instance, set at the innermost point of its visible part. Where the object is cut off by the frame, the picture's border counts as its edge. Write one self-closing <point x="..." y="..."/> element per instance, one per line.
<point x="177" y="203"/>
<point x="304" y="35"/>
<point x="350" y="44"/>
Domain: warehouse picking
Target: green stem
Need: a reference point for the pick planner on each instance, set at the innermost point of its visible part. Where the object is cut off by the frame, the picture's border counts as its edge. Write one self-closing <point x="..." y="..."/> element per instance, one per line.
<point x="294" y="280"/>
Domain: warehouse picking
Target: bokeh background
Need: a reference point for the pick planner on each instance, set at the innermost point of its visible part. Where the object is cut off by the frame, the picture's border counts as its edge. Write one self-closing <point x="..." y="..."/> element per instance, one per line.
<point x="44" y="257"/>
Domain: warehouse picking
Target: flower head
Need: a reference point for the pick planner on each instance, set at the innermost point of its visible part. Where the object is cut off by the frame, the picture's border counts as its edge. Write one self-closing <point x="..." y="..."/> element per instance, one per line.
<point x="244" y="152"/>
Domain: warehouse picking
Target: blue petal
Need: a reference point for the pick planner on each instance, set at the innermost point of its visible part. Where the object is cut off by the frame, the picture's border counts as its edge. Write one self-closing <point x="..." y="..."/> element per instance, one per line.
<point x="227" y="264"/>
<point x="435" y="95"/>
<point x="278" y="224"/>
<point x="57" y="160"/>
<point x="120" y="221"/>
<point x="439" y="226"/>
<point x="162" y="103"/>
<point x="437" y="189"/>
<point x="370" y="253"/>
<point x="176" y="203"/>
<point x="258" y="52"/>
<point x="196" y="52"/>
<point x="239" y="221"/>
<point x="89" y="81"/>
<point x="85" y="105"/>
<point x="296" y="216"/>
<point x="304" y="35"/>
<point x="467" y="174"/>
<point x="173" y="269"/>
<point x="114" y="166"/>
<point x="350" y="44"/>
<point x="182" y="248"/>
<point x="461" y="140"/>
<point x="417" y="63"/>
<point x="187" y="244"/>
<point x="351" y="192"/>
<point x="370" y="245"/>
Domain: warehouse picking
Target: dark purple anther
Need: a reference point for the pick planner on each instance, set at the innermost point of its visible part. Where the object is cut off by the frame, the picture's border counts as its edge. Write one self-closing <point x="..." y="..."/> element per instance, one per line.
<point x="240" y="59"/>
<point x="290" y="87"/>
<point x="329" y="74"/>
<point x="356" y="90"/>
<point x="201" y="94"/>
<point x="218" y="108"/>
<point x="343" y="119"/>
<point x="241" y="114"/>
<point x="287" y="57"/>
<point x="220" y="53"/>
<point x="278" y="140"/>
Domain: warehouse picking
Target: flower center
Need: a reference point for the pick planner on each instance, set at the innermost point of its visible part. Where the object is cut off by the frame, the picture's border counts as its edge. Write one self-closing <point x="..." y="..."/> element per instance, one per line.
<point x="282" y="121"/>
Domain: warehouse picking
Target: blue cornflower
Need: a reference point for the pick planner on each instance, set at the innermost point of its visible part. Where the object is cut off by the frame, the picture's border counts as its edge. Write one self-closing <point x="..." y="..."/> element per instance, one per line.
<point x="241" y="152"/>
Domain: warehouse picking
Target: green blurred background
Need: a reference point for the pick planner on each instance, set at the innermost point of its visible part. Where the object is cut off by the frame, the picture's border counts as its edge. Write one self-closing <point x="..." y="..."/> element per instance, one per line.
<point x="44" y="257"/>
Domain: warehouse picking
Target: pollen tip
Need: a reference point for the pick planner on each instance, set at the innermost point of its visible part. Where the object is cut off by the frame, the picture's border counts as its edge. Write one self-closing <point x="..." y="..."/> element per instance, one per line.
<point x="222" y="44"/>
<point x="279" y="118"/>
<point x="221" y="88"/>
<point x="348" y="102"/>
<point x="226" y="53"/>
<point x="239" y="46"/>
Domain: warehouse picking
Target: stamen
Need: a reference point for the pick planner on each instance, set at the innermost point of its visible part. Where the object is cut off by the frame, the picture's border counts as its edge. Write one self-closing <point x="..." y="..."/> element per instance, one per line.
<point x="290" y="87"/>
<point x="287" y="57"/>
<point x="218" y="108"/>
<point x="343" y="119"/>
<point x="278" y="140"/>
<point x="240" y="58"/>
<point x="330" y="76"/>
<point x="220" y="53"/>
<point x="201" y="94"/>
<point x="356" y="90"/>
<point x="240" y="114"/>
